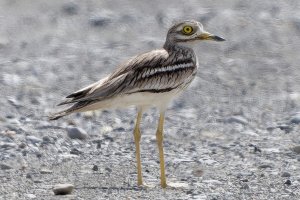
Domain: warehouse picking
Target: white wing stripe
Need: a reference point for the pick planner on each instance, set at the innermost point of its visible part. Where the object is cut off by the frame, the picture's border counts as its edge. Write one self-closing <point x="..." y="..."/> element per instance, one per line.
<point x="167" y="69"/>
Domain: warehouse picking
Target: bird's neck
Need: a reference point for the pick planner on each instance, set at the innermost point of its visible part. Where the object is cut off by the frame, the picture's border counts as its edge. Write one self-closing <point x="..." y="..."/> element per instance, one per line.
<point x="177" y="48"/>
<point x="184" y="51"/>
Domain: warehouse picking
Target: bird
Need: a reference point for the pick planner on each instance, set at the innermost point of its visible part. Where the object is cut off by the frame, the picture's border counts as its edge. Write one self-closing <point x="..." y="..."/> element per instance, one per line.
<point x="150" y="79"/>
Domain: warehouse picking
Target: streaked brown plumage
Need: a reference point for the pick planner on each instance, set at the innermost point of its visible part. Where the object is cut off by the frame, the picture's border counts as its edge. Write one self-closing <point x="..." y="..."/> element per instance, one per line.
<point x="149" y="79"/>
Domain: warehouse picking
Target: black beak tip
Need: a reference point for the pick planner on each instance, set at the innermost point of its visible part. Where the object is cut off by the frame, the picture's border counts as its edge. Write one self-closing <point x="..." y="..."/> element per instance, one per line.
<point x="219" y="39"/>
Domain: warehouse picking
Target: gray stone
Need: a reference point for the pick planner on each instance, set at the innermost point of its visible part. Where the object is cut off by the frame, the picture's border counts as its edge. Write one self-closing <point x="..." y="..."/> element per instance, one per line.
<point x="296" y="149"/>
<point x="285" y="127"/>
<point x="237" y="119"/>
<point x="7" y="145"/>
<point x="95" y="168"/>
<point x="46" y="139"/>
<point x="245" y="187"/>
<point x="99" y="20"/>
<point x="22" y="145"/>
<point x="14" y="102"/>
<point x="5" y="166"/>
<point x="75" y="151"/>
<point x="288" y="182"/>
<point x="63" y="189"/>
<point x="77" y="133"/>
<point x="34" y="139"/>
<point x="265" y="166"/>
<point x="295" y="119"/>
<point x="296" y="23"/>
<point x="29" y="176"/>
<point x="67" y="157"/>
<point x="70" y="8"/>
<point x="285" y="174"/>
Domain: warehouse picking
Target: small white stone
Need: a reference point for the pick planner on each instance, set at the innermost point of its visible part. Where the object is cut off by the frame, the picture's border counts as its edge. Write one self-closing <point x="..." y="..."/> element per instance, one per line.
<point x="178" y="185"/>
<point x="106" y="129"/>
<point x="30" y="196"/>
<point x="45" y="171"/>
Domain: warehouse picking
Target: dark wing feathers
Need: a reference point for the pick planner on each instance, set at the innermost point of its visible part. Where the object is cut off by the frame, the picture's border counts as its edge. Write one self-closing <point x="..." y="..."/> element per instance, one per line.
<point x="113" y="84"/>
<point x="149" y="59"/>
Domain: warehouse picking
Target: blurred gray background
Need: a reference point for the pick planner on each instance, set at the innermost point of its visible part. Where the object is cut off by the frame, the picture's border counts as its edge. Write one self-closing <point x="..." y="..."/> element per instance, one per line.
<point x="234" y="133"/>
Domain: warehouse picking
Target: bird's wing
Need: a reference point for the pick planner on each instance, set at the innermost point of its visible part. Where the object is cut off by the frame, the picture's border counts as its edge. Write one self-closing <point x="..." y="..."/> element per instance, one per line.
<point x="155" y="71"/>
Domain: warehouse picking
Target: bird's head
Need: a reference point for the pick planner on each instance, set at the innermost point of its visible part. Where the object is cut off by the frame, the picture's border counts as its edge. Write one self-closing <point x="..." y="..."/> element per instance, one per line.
<point x="188" y="32"/>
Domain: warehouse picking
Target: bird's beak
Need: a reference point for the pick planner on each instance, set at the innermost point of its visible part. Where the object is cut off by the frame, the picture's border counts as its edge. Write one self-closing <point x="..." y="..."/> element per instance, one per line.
<point x="208" y="36"/>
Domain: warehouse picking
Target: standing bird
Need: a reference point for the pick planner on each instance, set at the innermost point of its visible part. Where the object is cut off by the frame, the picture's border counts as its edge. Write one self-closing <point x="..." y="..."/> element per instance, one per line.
<point x="150" y="79"/>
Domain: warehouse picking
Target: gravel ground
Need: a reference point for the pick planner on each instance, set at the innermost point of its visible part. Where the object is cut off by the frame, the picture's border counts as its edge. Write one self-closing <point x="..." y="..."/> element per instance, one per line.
<point x="234" y="134"/>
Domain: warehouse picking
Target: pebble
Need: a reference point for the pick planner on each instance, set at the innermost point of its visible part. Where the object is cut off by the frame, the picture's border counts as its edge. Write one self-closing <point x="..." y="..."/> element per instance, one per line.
<point x="77" y="133"/>
<point x="75" y="151"/>
<point x="285" y="174"/>
<point x="237" y="119"/>
<point x="14" y="102"/>
<point x="109" y="138"/>
<point x="5" y="166"/>
<point x="214" y="182"/>
<point x="34" y="139"/>
<point x="99" y="21"/>
<point x="46" y="139"/>
<point x="245" y="187"/>
<point x="95" y="168"/>
<point x="46" y="171"/>
<point x="250" y="133"/>
<point x="296" y="23"/>
<point x="243" y="174"/>
<point x="296" y="149"/>
<point x="29" y="176"/>
<point x="11" y="80"/>
<point x="22" y="145"/>
<point x="7" y="145"/>
<point x="288" y="182"/>
<point x="70" y="8"/>
<point x="67" y="157"/>
<point x="198" y="172"/>
<point x="285" y="127"/>
<point x="108" y="169"/>
<point x="63" y="189"/>
<point x="264" y="166"/>
<point x="106" y="130"/>
<point x="9" y="133"/>
<point x="30" y="196"/>
<point x="295" y="119"/>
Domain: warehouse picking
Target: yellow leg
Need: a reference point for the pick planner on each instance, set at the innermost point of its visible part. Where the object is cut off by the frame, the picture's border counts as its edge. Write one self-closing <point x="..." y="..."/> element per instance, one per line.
<point x="137" y="138"/>
<point x="159" y="138"/>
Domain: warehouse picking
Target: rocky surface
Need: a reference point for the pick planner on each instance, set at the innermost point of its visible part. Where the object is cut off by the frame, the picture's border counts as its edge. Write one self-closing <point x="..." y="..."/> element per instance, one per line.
<point x="234" y="134"/>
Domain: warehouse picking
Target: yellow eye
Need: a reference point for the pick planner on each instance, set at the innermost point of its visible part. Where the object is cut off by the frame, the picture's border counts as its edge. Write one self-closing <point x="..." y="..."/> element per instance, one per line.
<point x="187" y="30"/>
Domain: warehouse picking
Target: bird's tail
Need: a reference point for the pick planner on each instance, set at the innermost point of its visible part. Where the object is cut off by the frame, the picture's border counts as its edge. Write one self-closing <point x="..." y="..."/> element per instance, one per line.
<point x="77" y="107"/>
